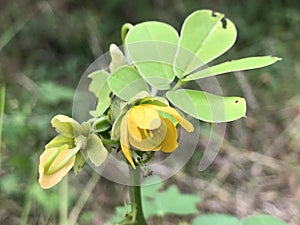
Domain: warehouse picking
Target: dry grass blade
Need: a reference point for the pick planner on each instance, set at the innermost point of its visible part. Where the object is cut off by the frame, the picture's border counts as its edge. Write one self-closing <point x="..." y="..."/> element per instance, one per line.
<point x="83" y="198"/>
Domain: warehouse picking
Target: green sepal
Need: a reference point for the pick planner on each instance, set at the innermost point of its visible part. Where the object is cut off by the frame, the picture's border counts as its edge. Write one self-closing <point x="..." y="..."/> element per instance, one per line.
<point x="138" y="97"/>
<point x="159" y="101"/>
<point x="79" y="163"/>
<point x="65" y="125"/>
<point x="101" y="124"/>
<point x="168" y="116"/>
<point x="59" y="141"/>
<point x="115" y="130"/>
<point x="117" y="58"/>
<point x="85" y="129"/>
<point x="95" y="150"/>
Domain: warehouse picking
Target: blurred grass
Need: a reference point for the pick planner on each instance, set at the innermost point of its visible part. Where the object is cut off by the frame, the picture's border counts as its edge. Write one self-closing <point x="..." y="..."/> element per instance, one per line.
<point x="2" y="103"/>
<point x="46" y="46"/>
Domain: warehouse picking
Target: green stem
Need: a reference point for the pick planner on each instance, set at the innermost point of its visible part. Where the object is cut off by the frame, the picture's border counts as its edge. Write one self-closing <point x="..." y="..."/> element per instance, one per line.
<point x="149" y="157"/>
<point x="124" y="30"/>
<point x="83" y="198"/>
<point x="28" y="201"/>
<point x="135" y="197"/>
<point x="63" y="209"/>
<point x="178" y="85"/>
<point x="2" y="105"/>
<point x="108" y="141"/>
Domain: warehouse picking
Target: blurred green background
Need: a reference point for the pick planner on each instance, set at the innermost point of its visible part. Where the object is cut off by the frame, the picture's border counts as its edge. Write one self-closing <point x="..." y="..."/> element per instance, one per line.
<point x="45" y="47"/>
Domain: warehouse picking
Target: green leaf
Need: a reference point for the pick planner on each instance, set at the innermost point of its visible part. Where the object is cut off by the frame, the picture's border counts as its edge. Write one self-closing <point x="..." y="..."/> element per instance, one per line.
<point x="96" y="151"/>
<point x="208" y="35"/>
<point x="121" y="215"/>
<point x="152" y="31"/>
<point x="162" y="202"/>
<point x="101" y="90"/>
<point x="262" y="220"/>
<point x="99" y="78"/>
<point x="208" y="107"/>
<point x="104" y="101"/>
<point x="126" y="82"/>
<point x="151" y="47"/>
<point x="59" y="141"/>
<point x="216" y="219"/>
<point x="158" y="203"/>
<point x="234" y="65"/>
<point x="85" y="129"/>
<point x="158" y="74"/>
<point x="79" y="163"/>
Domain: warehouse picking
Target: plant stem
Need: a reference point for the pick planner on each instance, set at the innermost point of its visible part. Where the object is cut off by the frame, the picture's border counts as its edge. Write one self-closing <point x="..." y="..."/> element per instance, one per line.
<point x="178" y="84"/>
<point x="124" y="30"/>
<point x="27" y="206"/>
<point x="85" y="194"/>
<point x="63" y="210"/>
<point x="135" y="197"/>
<point x="2" y="104"/>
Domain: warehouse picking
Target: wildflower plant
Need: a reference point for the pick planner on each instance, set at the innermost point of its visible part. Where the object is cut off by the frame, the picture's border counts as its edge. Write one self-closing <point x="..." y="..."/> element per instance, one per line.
<point x="143" y="98"/>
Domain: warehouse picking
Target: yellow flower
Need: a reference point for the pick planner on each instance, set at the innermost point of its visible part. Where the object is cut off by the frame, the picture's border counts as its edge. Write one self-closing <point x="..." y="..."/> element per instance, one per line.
<point x="150" y="127"/>
<point x="61" y="162"/>
<point x="65" y="150"/>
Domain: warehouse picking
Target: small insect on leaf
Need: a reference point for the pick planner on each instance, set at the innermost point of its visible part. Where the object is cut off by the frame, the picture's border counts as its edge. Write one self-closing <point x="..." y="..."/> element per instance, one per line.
<point x="224" y="22"/>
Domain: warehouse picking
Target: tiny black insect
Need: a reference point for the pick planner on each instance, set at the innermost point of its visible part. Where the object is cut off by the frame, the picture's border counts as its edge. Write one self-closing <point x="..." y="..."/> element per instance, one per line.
<point x="224" y="22"/>
<point x="213" y="14"/>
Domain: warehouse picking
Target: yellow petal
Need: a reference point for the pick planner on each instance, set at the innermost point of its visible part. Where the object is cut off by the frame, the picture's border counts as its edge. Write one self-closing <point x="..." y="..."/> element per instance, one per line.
<point x="124" y="140"/>
<point x="169" y="143"/>
<point x="48" y="181"/>
<point x="145" y="117"/>
<point x="133" y="129"/>
<point x="188" y="126"/>
<point x="127" y="152"/>
<point x="146" y="144"/>
<point x="151" y="139"/>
